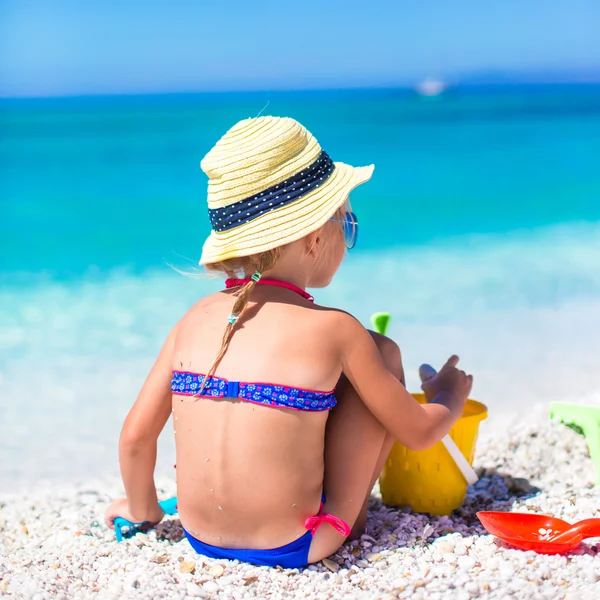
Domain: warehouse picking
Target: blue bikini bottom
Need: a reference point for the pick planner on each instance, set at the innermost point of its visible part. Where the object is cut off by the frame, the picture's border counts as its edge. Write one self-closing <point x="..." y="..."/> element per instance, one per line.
<point x="290" y="556"/>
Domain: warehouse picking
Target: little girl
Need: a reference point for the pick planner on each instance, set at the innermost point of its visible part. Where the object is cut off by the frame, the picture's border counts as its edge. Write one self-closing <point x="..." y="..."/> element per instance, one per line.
<point x="284" y="411"/>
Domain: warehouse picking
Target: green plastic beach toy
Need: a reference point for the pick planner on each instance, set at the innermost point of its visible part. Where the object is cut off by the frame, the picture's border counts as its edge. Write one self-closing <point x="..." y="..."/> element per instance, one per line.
<point x="587" y="418"/>
<point x="380" y="322"/>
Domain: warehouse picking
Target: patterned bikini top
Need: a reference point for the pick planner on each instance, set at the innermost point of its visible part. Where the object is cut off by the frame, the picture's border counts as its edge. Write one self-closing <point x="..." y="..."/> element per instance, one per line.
<point x="185" y="383"/>
<point x="278" y="396"/>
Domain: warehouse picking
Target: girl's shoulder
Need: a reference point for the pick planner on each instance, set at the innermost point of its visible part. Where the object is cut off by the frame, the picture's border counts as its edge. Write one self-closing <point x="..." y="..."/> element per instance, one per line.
<point x="339" y="321"/>
<point x="203" y="308"/>
<point x="347" y="330"/>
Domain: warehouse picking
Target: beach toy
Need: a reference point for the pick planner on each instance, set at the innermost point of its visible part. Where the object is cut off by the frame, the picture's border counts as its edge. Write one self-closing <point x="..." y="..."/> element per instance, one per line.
<point x="586" y="418"/>
<point x="380" y="322"/>
<point x="169" y="507"/>
<point x="429" y="480"/>
<point x="426" y="372"/>
<point x="541" y="533"/>
<point x="433" y="480"/>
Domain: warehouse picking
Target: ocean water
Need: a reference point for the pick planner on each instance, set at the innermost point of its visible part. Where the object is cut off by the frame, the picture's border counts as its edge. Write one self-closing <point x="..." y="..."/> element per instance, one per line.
<point x="480" y="232"/>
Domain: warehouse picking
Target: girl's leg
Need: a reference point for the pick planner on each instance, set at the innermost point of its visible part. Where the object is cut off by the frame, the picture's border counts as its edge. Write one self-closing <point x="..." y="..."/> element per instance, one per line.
<point x="360" y="524"/>
<point x="356" y="447"/>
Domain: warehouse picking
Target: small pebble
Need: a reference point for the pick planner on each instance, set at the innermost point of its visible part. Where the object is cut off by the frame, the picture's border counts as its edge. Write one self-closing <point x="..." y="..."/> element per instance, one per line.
<point x="187" y="566"/>
<point x="331" y="565"/>
<point x="217" y="570"/>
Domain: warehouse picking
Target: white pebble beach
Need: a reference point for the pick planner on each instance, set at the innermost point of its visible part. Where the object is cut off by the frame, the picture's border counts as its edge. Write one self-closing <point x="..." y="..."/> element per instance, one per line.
<point x="54" y="544"/>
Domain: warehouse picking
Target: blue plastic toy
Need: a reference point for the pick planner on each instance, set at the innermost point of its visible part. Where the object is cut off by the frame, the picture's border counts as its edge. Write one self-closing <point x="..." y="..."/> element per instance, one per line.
<point x="169" y="506"/>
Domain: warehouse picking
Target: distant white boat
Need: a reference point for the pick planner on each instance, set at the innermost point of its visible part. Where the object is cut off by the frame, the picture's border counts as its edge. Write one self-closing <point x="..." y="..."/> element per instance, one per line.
<point x="431" y="87"/>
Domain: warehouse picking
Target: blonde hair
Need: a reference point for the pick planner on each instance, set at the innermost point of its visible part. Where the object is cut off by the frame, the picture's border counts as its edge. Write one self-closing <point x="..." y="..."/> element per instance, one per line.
<point x="259" y="265"/>
<point x="240" y="268"/>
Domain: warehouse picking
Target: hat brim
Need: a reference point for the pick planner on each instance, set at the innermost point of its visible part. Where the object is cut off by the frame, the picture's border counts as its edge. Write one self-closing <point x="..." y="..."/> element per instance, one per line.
<point x="289" y="223"/>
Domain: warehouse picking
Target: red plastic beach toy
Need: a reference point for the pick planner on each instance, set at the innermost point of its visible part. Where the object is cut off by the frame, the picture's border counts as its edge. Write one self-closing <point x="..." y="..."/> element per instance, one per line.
<point x="540" y="533"/>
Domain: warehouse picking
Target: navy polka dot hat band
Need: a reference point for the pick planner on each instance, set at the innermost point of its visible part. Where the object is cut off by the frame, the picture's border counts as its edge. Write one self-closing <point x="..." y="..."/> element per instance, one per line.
<point x="271" y="184"/>
<point x="274" y="197"/>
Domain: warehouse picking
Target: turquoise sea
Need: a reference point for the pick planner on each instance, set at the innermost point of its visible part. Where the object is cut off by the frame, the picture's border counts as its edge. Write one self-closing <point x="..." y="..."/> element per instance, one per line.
<point x="480" y="232"/>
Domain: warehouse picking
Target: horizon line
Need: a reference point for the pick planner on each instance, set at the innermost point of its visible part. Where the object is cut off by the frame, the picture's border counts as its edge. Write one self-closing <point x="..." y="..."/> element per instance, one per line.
<point x="284" y="90"/>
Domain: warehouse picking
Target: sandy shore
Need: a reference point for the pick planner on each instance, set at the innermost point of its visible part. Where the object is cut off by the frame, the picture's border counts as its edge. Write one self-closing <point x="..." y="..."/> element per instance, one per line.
<point x="53" y="543"/>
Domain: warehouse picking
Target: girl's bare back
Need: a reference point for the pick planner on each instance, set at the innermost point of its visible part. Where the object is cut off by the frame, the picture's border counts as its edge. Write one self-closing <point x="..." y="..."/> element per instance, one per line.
<point x="249" y="475"/>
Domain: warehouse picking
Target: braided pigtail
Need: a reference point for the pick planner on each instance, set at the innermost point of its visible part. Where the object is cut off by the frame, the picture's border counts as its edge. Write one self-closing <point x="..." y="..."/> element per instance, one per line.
<point x="260" y="263"/>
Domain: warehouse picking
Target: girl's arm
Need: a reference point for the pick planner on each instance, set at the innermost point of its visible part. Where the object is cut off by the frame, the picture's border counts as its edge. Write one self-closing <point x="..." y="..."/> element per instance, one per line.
<point x="414" y="425"/>
<point x="139" y="436"/>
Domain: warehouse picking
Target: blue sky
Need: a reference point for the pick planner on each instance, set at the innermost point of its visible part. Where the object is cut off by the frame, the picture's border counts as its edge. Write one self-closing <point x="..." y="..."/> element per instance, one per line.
<point x="71" y="47"/>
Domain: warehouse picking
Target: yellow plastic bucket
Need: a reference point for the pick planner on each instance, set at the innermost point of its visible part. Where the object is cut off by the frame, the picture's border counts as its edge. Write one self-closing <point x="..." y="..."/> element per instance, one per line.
<point x="428" y="480"/>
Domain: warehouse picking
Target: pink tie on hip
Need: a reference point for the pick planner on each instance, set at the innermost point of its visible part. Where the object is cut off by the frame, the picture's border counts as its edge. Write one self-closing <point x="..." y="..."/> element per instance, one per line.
<point x="313" y="523"/>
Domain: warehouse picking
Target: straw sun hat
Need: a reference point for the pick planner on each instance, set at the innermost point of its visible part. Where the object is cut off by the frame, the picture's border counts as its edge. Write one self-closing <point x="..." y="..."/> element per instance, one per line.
<point x="269" y="184"/>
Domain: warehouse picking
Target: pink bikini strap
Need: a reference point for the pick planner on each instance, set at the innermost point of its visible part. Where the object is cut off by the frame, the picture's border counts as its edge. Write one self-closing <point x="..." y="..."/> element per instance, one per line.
<point x="313" y="523"/>
<point x="231" y="283"/>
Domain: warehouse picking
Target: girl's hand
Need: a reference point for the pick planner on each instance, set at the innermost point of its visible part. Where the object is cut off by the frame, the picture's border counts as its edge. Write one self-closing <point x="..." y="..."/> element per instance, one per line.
<point x="120" y="508"/>
<point x="449" y="380"/>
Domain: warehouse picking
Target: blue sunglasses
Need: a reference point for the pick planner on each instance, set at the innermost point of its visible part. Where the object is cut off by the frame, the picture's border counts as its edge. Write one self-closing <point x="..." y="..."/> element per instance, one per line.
<point x="350" y="223"/>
